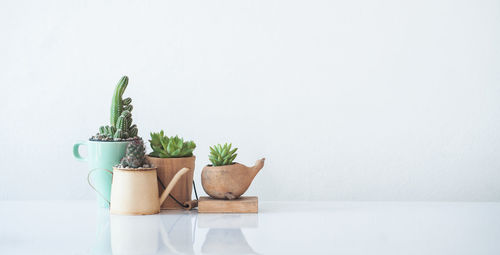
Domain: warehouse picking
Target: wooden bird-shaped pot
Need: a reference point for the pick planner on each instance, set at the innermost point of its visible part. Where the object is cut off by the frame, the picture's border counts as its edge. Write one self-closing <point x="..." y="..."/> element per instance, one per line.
<point x="230" y="181"/>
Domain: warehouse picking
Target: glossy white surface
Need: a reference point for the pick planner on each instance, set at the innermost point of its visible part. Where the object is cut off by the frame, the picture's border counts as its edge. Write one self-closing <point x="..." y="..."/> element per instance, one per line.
<point x="77" y="227"/>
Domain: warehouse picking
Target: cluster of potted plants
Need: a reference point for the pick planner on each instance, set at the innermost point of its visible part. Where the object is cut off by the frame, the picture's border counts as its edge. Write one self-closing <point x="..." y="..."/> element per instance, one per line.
<point x="134" y="189"/>
<point x="117" y="146"/>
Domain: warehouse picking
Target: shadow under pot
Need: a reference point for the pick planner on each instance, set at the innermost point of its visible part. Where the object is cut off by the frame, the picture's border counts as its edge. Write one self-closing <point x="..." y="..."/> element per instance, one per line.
<point x="167" y="168"/>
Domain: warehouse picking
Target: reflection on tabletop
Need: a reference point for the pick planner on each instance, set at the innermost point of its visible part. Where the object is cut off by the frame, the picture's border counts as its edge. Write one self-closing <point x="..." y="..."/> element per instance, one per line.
<point x="224" y="235"/>
<point x="149" y="234"/>
<point x="172" y="233"/>
<point x="71" y="227"/>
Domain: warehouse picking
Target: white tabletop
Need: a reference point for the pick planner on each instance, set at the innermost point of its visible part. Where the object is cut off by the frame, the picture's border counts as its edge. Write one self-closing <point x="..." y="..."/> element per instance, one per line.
<point x="79" y="227"/>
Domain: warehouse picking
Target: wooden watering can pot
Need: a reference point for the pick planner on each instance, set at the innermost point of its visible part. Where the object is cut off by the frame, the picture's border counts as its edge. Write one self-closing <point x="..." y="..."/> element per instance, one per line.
<point x="135" y="191"/>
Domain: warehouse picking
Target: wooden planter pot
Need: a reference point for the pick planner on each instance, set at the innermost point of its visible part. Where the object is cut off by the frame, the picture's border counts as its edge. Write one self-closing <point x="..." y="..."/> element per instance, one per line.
<point x="230" y="181"/>
<point x="167" y="168"/>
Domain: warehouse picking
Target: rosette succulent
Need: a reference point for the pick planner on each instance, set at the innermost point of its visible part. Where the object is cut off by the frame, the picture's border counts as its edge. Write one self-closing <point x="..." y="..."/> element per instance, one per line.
<point x="222" y="155"/>
<point x="170" y="147"/>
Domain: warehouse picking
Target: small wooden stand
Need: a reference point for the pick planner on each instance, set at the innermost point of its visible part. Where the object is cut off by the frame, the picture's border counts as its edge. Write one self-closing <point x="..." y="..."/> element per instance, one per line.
<point x="240" y="205"/>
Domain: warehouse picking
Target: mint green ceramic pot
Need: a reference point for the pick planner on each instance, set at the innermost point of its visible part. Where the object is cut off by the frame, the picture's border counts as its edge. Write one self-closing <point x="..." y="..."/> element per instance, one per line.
<point x="101" y="155"/>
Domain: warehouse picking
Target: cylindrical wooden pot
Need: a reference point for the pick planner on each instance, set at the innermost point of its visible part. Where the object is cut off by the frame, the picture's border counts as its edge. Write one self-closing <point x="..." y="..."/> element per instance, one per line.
<point x="167" y="168"/>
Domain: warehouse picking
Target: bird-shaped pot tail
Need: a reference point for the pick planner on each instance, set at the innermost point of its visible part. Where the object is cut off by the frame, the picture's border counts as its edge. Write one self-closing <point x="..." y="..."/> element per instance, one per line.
<point x="259" y="164"/>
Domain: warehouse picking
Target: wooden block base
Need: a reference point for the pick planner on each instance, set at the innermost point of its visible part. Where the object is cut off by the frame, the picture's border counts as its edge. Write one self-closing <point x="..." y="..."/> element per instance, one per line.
<point x="240" y="205"/>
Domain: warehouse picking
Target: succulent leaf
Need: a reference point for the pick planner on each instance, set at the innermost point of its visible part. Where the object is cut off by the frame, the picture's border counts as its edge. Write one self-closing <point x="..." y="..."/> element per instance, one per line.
<point x="164" y="142"/>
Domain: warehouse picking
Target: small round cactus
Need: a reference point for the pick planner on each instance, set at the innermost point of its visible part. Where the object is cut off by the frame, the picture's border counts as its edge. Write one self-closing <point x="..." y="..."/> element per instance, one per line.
<point x="134" y="155"/>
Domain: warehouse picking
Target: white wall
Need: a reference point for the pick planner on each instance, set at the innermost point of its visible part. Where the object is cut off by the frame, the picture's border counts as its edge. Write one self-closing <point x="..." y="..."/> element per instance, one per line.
<point x="348" y="100"/>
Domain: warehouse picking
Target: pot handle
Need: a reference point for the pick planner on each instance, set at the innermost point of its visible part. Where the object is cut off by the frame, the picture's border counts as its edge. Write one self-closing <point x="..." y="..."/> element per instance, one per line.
<point x="92" y="186"/>
<point x="172" y="183"/>
<point x="76" y="152"/>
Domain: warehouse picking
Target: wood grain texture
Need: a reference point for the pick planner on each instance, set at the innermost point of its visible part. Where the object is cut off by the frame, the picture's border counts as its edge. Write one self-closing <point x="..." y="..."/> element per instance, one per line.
<point x="240" y="205"/>
<point x="167" y="168"/>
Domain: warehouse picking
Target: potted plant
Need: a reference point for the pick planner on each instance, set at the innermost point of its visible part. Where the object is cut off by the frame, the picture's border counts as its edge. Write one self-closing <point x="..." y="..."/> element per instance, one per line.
<point x="107" y="147"/>
<point x="170" y="155"/>
<point x="135" y="183"/>
<point x="225" y="179"/>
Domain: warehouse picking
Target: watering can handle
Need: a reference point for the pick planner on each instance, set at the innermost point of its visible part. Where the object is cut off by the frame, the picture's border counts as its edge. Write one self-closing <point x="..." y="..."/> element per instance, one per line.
<point x="172" y="183"/>
<point x="92" y="186"/>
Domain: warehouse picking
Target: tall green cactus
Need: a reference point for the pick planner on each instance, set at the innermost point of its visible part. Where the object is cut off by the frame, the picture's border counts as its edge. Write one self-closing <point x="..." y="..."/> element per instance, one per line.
<point x="117" y="102"/>
<point x="121" y="117"/>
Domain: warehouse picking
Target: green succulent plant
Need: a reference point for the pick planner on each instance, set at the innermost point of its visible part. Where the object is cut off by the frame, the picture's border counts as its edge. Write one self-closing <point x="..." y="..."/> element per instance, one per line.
<point x="134" y="155"/>
<point x="170" y="147"/>
<point x="121" y="115"/>
<point x="222" y="155"/>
